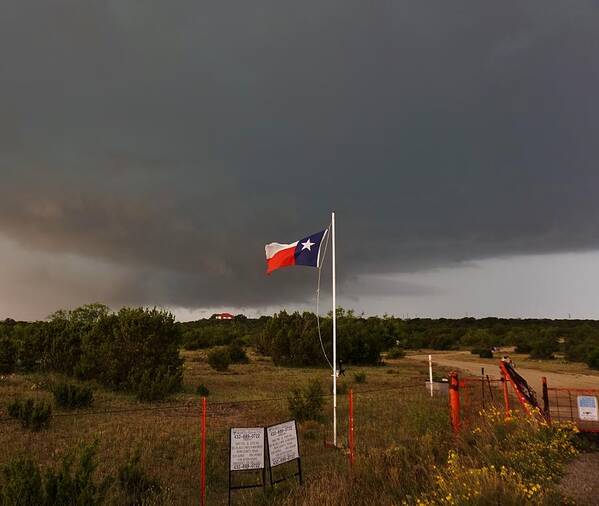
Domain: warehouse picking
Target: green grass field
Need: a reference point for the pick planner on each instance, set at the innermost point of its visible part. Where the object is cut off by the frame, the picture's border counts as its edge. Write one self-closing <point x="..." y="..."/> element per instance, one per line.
<point x="167" y="434"/>
<point x="404" y="442"/>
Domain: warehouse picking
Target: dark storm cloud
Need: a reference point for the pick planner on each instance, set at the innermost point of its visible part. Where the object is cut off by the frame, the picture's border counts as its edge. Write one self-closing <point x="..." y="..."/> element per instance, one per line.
<point x="169" y="141"/>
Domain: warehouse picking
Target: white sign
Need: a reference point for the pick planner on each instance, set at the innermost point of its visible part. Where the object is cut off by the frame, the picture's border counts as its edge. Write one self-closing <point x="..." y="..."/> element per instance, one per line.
<point x="587" y="408"/>
<point x="247" y="449"/>
<point x="282" y="443"/>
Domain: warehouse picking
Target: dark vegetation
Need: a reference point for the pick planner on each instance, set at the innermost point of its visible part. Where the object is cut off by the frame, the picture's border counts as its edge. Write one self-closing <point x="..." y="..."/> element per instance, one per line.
<point x="137" y="350"/>
<point x="292" y="339"/>
<point x="203" y="390"/>
<point x="70" y="395"/>
<point x="360" y="377"/>
<point x="75" y="482"/>
<point x="136" y="485"/>
<point x="307" y="403"/>
<point x="134" y="350"/>
<point x="32" y="414"/>
<point x="219" y="359"/>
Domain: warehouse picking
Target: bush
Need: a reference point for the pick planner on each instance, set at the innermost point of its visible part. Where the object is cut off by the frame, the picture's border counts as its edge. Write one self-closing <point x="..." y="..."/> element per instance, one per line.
<point x="202" y="390"/>
<point x="543" y="348"/>
<point x="341" y="388"/>
<point x="396" y="352"/>
<point x="69" y="395"/>
<point x="237" y="353"/>
<point x="135" y="350"/>
<point x="482" y="352"/>
<point x="593" y="359"/>
<point x="8" y="356"/>
<point x="219" y="359"/>
<point x="523" y="346"/>
<point x="32" y="414"/>
<point x="23" y="483"/>
<point x="306" y="403"/>
<point x="76" y="486"/>
<point x="360" y="377"/>
<point x="135" y="483"/>
<point x="156" y="385"/>
<point x="293" y="340"/>
<point x="62" y="337"/>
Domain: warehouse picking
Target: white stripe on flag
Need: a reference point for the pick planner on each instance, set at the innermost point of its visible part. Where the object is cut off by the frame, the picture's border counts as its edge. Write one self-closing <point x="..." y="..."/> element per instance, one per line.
<point x="274" y="247"/>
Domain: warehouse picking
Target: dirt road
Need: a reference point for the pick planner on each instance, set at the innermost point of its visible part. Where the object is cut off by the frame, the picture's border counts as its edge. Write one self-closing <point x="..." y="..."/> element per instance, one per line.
<point x="455" y="360"/>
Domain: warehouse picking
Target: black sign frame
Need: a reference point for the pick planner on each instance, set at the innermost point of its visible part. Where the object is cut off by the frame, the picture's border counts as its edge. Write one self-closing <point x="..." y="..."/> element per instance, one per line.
<point x="298" y="474"/>
<point x="263" y="473"/>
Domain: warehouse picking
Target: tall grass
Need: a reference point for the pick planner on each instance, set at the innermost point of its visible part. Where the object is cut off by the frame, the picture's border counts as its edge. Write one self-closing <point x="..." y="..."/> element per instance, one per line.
<point x="403" y="440"/>
<point x="507" y="462"/>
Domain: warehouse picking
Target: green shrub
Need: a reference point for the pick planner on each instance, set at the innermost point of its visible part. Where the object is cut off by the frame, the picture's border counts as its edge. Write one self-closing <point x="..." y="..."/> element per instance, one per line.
<point x="306" y="403"/>
<point x="8" y="355"/>
<point x="69" y="486"/>
<point x="482" y="352"/>
<point x="593" y="359"/>
<point x="219" y="359"/>
<point x="23" y="484"/>
<point x="135" y="350"/>
<point x="237" y="353"/>
<point x="360" y="377"/>
<point x="156" y="385"/>
<point x="62" y="337"/>
<point x="202" y="390"/>
<point x="293" y="340"/>
<point x="523" y="347"/>
<point x="396" y="352"/>
<point x="34" y="415"/>
<point x="69" y="395"/>
<point x="135" y="484"/>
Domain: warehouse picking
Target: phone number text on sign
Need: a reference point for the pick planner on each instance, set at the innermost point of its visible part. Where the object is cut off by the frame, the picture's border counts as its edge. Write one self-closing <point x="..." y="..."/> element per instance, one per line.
<point x="282" y="443"/>
<point x="247" y="448"/>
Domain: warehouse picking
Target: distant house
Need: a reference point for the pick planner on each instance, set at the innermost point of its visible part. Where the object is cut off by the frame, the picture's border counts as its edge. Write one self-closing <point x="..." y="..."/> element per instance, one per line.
<point x="223" y="316"/>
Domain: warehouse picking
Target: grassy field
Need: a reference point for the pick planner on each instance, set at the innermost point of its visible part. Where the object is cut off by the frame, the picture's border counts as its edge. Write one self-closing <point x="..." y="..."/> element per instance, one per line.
<point x="167" y="434"/>
<point x="406" y="452"/>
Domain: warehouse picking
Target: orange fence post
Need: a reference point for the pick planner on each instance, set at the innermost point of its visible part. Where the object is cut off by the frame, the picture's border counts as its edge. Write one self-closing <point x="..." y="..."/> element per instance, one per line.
<point x="203" y="455"/>
<point x="454" y="401"/>
<point x="506" y="398"/>
<point x="351" y="427"/>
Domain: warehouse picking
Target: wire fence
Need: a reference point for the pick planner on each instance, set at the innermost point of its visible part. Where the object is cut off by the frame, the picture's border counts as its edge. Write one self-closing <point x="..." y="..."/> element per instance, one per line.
<point x="169" y="435"/>
<point x="576" y="405"/>
<point x="484" y="393"/>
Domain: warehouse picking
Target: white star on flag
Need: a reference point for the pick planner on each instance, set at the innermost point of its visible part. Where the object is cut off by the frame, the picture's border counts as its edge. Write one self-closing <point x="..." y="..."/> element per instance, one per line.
<point x="307" y="245"/>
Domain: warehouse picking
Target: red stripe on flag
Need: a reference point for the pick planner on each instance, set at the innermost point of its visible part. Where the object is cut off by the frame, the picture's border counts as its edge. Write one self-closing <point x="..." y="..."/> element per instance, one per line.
<point x="283" y="258"/>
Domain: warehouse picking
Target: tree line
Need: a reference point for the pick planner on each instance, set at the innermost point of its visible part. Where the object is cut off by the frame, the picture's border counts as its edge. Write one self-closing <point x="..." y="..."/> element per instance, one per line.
<point x="292" y="339"/>
<point x="137" y="349"/>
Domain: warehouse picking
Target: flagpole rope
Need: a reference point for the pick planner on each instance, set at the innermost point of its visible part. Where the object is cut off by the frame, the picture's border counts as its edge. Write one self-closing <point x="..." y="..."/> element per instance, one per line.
<point x="318" y="297"/>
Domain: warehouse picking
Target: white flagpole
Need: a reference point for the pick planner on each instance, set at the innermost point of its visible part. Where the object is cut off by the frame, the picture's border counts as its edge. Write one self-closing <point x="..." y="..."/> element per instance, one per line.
<point x="334" y="337"/>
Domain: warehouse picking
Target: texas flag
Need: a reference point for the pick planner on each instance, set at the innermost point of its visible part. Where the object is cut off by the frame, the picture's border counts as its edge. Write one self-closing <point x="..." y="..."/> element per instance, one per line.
<point x="303" y="252"/>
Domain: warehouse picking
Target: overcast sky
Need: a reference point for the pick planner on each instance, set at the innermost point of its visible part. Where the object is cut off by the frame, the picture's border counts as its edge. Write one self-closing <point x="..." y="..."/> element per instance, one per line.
<point x="149" y="150"/>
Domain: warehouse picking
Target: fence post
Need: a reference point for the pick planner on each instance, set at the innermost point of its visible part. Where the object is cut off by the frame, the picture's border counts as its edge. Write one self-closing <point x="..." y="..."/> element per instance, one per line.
<point x="203" y="455"/>
<point x="546" y="412"/>
<point x="482" y="384"/>
<point x="351" y="427"/>
<point x="454" y="401"/>
<point x="506" y="398"/>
